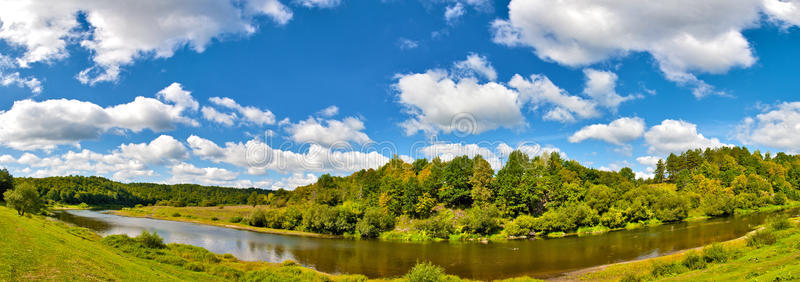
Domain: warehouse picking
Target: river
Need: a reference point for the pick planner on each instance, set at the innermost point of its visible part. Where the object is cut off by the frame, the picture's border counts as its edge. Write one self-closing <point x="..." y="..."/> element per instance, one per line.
<point x="537" y="258"/>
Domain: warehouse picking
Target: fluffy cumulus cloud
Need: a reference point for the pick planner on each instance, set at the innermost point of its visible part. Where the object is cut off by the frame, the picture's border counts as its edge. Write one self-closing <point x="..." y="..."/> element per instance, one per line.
<point x="494" y="153"/>
<point x="685" y="37"/>
<point x="618" y="132"/>
<point x="648" y="160"/>
<point x="247" y="114"/>
<point x="777" y="128"/>
<point x="539" y="90"/>
<point x="161" y="150"/>
<point x="30" y="125"/>
<point x="784" y="12"/>
<point x="601" y="87"/>
<point x="328" y="132"/>
<point x="188" y="173"/>
<point x="258" y="157"/>
<point x="468" y="99"/>
<point x="15" y="79"/>
<point x="120" y="32"/>
<point x="675" y="136"/>
<point x="440" y="101"/>
<point x="295" y="180"/>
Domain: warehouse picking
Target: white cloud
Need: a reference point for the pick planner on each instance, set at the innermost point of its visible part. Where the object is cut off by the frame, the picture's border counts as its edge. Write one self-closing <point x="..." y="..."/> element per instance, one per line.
<point x="188" y="173"/>
<point x="784" y="12"/>
<point x="121" y="32"/>
<point x="30" y="125"/>
<point x="453" y="12"/>
<point x="778" y="128"/>
<point x="212" y="114"/>
<point x="174" y="93"/>
<point x="648" y="160"/>
<point x="328" y="132"/>
<point x="115" y="165"/>
<point x="448" y="151"/>
<point x="601" y="87"/>
<point x="685" y="36"/>
<point x="15" y="79"/>
<point x="161" y="150"/>
<point x="249" y="114"/>
<point x="319" y="3"/>
<point x="294" y="181"/>
<point x="539" y="90"/>
<point x="675" y="136"/>
<point x="617" y="132"/>
<point x="406" y="44"/>
<point x="258" y="157"/>
<point x="476" y="64"/>
<point x="438" y="102"/>
<point x="329" y="111"/>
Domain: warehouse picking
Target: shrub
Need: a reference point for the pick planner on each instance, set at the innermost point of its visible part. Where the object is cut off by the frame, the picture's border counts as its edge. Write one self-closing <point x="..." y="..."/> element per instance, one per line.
<point x="374" y="222"/>
<point x="482" y="220"/>
<point x="667" y="269"/>
<point x="226" y="272"/>
<point x="236" y="219"/>
<point x="780" y="223"/>
<point x="613" y="218"/>
<point x="426" y="272"/>
<point x="152" y="241"/>
<point x="761" y="238"/>
<point x="521" y="226"/>
<point x="176" y="214"/>
<point x="292" y="218"/>
<point x="671" y="207"/>
<point x="716" y="253"/>
<point x="257" y="218"/>
<point x="214" y="218"/>
<point x="693" y="261"/>
<point x="439" y="226"/>
<point x="194" y="266"/>
<point x="631" y="278"/>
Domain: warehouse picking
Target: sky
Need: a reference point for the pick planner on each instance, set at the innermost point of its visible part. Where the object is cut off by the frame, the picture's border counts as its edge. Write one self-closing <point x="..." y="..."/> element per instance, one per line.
<point x="273" y="93"/>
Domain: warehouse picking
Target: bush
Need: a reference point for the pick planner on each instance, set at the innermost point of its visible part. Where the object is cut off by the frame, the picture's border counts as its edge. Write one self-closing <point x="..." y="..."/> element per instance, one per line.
<point x="152" y="241"/>
<point x="567" y="219"/>
<point x="214" y="218"/>
<point x="693" y="261"/>
<point x="426" y="272"/>
<point x="292" y="218"/>
<point x="781" y="223"/>
<point x="613" y="218"/>
<point x="374" y="222"/>
<point x="236" y="219"/>
<point x="226" y="272"/>
<point x="439" y="226"/>
<point x="761" y="238"/>
<point x="667" y="269"/>
<point x="631" y="278"/>
<point x="194" y="266"/>
<point x="176" y="214"/>
<point x="671" y="207"/>
<point x="716" y="253"/>
<point x="257" y="218"/>
<point x="482" y="221"/>
<point x="523" y="225"/>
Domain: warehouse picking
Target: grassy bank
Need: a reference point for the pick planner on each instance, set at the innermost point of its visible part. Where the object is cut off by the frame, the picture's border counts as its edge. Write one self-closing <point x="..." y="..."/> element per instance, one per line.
<point x="36" y="248"/>
<point x="771" y="253"/>
<point x="405" y="228"/>
<point x="223" y="216"/>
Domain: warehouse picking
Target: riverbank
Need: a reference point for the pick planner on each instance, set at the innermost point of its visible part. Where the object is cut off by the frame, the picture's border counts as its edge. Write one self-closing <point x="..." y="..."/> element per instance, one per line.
<point x="235" y="217"/>
<point x="174" y="214"/>
<point x="36" y="248"/>
<point x="775" y="259"/>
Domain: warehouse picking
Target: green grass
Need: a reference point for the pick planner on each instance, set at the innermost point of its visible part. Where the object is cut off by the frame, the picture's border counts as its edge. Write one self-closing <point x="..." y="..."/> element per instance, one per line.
<point x="36" y="248"/>
<point x="740" y="259"/>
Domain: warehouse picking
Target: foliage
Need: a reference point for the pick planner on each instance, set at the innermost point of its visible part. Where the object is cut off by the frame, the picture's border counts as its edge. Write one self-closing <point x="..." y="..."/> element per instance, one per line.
<point x="716" y="253"/>
<point x="151" y="240"/>
<point x="661" y="269"/>
<point x="6" y="182"/>
<point x="374" y="222"/>
<point x="426" y="272"/>
<point x="761" y="238"/>
<point x="693" y="261"/>
<point x="482" y="220"/>
<point x="24" y="198"/>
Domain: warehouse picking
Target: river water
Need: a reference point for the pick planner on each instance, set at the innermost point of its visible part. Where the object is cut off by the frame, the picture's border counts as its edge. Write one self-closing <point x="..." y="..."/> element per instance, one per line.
<point x="537" y="258"/>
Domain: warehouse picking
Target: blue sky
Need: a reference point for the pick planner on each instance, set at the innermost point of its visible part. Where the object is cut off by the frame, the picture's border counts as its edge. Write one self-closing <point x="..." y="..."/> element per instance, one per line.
<point x="137" y="91"/>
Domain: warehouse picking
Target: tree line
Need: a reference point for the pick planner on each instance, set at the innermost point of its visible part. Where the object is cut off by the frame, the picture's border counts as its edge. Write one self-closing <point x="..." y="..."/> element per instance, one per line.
<point x="530" y="195"/>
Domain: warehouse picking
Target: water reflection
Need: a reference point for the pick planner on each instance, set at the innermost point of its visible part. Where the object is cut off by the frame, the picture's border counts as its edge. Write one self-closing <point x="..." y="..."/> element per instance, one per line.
<point x="478" y="261"/>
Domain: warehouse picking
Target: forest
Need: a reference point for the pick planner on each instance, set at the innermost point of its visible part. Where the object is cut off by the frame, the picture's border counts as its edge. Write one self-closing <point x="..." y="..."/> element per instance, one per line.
<point x="465" y="198"/>
<point x="99" y="191"/>
<point x="542" y="195"/>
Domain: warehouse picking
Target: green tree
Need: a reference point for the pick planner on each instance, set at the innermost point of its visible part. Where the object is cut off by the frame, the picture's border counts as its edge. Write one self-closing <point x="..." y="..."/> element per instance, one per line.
<point x="6" y="181"/>
<point x="659" y="174"/>
<point x="24" y="198"/>
<point x="481" y="179"/>
<point x="627" y="174"/>
<point x="252" y="200"/>
<point x="457" y="173"/>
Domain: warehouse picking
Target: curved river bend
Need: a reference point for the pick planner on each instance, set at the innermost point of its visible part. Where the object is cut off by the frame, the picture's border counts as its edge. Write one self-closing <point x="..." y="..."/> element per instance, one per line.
<point x="538" y="258"/>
